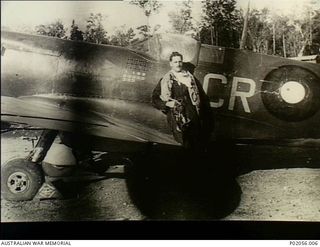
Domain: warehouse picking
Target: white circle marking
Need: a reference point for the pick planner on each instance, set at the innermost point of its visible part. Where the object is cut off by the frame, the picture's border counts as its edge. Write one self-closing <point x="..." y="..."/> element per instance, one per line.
<point x="292" y="92"/>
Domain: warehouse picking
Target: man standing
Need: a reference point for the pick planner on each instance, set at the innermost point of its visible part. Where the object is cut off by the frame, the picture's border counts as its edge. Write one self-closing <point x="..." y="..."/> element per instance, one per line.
<point x="180" y="96"/>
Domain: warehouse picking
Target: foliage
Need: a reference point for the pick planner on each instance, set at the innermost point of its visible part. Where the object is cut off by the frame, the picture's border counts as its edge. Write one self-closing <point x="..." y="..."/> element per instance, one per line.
<point x="220" y="23"/>
<point x="287" y="36"/>
<point x="75" y="33"/>
<point x="95" y="32"/>
<point x="316" y="32"/>
<point x="143" y="31"/>
<point x="122" y="37"/>
<point x="148" y="6"/>
<point x="54" y="29"/>
<point x="268" y="32"/>
<point x="259" y="31"/>
<point x="181" y="20"/>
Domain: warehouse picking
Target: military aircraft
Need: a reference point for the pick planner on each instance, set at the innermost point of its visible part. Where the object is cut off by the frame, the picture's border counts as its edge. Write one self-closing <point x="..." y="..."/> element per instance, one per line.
<point x="104" y="92"/>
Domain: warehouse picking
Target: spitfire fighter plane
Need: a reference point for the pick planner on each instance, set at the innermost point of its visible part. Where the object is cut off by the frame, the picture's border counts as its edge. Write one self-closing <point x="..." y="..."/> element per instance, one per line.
<point x="104" y="92"/>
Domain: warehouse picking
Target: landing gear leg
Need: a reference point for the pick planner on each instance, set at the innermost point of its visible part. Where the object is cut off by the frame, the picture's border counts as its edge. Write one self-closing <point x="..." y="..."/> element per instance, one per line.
<point x="39" y="152"/>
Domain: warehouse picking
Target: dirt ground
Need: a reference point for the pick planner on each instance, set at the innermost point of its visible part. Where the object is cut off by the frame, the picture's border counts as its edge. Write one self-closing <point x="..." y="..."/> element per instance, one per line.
<point x="275" y="194"/>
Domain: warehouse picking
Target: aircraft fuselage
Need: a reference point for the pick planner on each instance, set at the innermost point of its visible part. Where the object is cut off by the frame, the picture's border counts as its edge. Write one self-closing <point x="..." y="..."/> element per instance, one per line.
<point x="252" y="96"/>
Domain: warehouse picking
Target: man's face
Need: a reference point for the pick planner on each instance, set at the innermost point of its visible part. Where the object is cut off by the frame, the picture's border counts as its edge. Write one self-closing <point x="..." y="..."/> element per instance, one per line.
<point x="176" y="63"/>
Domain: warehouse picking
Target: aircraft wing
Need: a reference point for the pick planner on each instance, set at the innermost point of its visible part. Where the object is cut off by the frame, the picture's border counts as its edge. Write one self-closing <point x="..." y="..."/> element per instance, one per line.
<point x="52" y="115"/>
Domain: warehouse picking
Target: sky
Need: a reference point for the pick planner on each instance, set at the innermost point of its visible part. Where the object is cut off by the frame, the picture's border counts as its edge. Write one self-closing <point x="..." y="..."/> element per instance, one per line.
<point x="25" y="15"/>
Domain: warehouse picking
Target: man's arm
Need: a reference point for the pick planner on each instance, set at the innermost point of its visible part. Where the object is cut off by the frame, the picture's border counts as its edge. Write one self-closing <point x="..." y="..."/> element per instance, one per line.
<point x="156" y="100"/>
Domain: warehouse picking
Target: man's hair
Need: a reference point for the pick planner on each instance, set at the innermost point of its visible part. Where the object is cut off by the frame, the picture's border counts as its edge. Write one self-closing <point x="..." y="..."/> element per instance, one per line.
<point x="175" y="54"/>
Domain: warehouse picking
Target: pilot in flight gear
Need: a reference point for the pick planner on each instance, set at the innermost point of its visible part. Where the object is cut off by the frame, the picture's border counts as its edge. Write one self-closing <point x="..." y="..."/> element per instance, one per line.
<point x="183" y="100"/>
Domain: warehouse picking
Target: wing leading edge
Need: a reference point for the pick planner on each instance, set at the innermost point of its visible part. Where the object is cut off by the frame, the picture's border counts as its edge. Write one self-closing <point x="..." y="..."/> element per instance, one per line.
<point x="53" y="116"/>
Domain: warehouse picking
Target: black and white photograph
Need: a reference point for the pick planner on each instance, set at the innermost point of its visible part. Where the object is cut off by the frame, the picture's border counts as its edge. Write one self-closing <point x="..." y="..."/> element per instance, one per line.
<point x="143" y="110"/>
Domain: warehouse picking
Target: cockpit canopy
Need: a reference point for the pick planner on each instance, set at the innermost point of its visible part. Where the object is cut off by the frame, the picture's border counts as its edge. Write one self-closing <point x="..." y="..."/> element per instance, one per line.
<point x="160" y="46"/>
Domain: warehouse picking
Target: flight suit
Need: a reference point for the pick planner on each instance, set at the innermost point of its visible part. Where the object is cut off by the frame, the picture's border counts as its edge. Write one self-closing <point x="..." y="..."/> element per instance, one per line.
<point x="189" y="126"/>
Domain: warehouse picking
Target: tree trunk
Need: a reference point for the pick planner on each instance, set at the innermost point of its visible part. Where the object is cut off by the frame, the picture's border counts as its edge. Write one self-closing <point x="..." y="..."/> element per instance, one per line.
<point x="211" y="33"/>
<point x="310" y="26"/>
<point x="300" y="54"/>
<point x="284" y="45"/>
<point x="216" y="34"/>
<point x="148" y="33"/>
<point x="274" y="38"/>
<point x="266" y="47"/>
<point x="245" y="28"/>
<point x="182" y="27"/>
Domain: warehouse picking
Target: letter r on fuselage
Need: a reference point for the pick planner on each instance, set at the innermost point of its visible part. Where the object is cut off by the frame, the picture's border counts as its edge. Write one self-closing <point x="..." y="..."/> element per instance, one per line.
<point x="243" y="95"/>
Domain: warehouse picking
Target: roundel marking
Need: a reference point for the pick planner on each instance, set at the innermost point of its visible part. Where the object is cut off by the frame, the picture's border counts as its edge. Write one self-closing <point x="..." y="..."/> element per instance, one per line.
<point x="291" y="93"/>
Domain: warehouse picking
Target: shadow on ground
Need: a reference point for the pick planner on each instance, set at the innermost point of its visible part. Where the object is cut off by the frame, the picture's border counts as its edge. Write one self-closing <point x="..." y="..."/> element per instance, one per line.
<point x="184" y="186"/>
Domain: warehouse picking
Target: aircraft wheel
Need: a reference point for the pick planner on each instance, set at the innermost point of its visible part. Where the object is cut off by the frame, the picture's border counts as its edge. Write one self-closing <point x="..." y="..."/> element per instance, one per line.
<point x="20" y="180"/>
<point x="57" y="171"/>
<point x="291" y="93"/>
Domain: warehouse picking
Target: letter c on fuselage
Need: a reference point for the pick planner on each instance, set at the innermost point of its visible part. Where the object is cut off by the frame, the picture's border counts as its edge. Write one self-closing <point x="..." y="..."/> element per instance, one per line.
<point x="206" y="79"/>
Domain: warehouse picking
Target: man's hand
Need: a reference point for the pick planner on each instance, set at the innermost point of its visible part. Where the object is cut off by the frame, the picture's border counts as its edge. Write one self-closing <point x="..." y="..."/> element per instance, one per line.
<point x="172" y="103"/>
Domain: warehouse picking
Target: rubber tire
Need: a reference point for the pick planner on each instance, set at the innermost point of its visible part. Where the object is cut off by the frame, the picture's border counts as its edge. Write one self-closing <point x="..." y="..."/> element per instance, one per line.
<point x="57" y="171"/>
<point x="33" y="173"/>
<point x="278" y="107"/>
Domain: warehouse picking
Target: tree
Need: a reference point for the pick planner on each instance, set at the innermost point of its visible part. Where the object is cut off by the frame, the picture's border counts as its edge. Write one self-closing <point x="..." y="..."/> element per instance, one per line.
<point x="290" y="35"/>
<point x="149" y="7"/>
<point x="75" y="33"/>
<point x="316" y="32"/>
<point x="95" y="32"/>
<point x="259" y="30"/>
<point x="122" y="36"/>
<point x="308" y="29"/>
<point x="144" y="32"/>
<point x="245" y="28"/>
<point x="221" y="23"/>
<point x="282" y="29"/>
<point x="55" y="29"/>
<point x="181" y="20"/>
